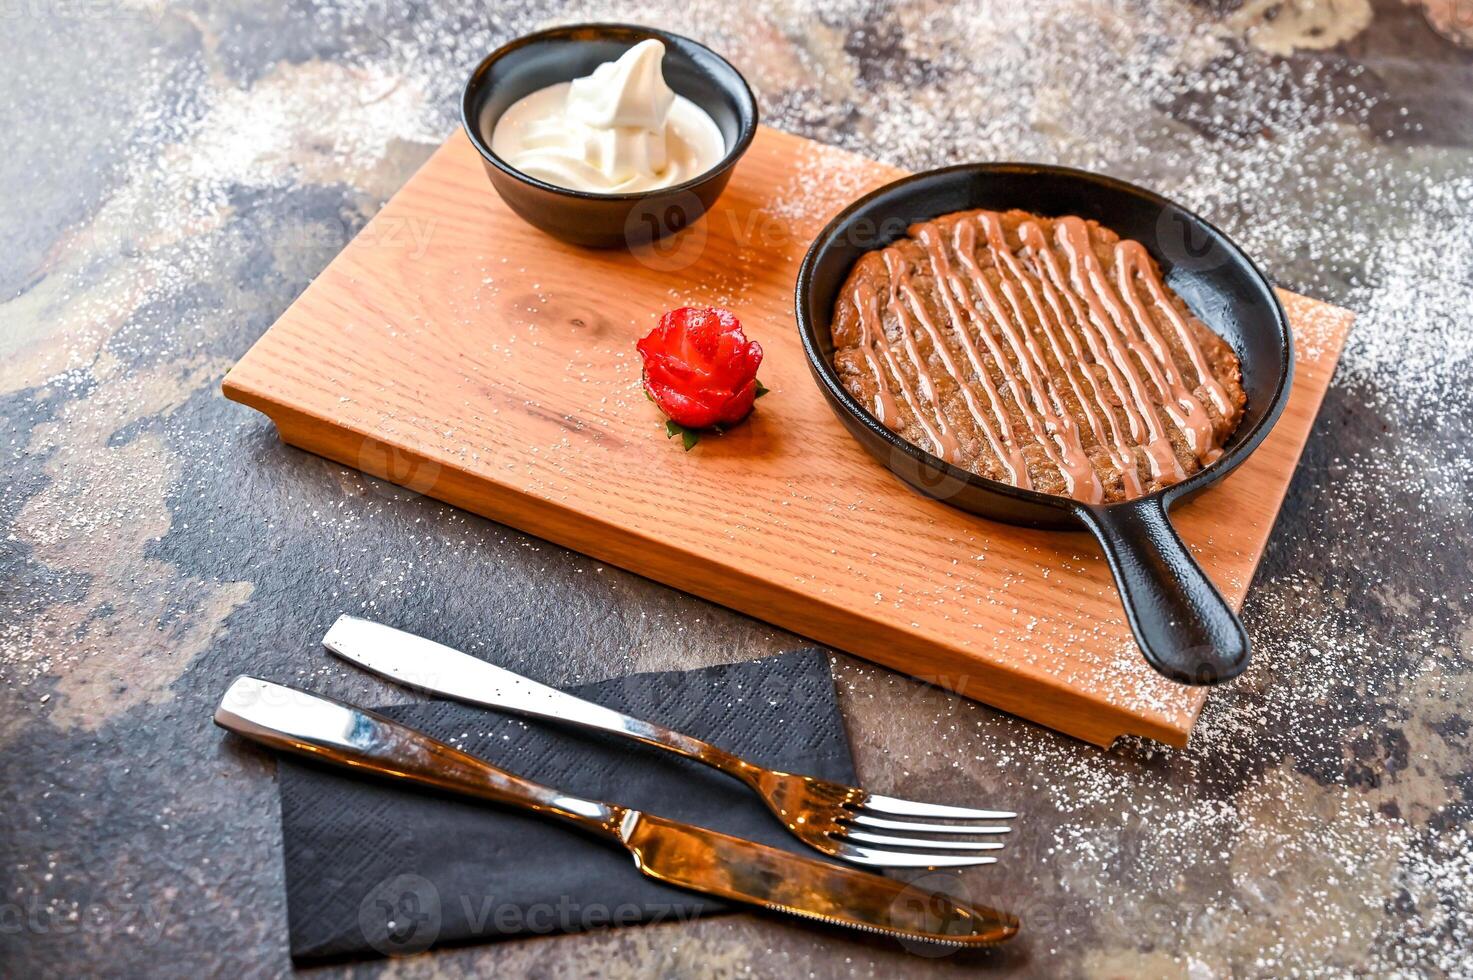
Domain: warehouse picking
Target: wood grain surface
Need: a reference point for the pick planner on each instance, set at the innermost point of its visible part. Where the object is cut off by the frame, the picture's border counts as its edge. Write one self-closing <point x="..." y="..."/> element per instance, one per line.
<point x="457" y="351"/>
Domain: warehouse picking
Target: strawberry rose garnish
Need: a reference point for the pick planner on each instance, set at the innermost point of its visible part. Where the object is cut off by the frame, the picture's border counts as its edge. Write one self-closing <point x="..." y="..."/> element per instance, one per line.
<point x="701" y="370"/>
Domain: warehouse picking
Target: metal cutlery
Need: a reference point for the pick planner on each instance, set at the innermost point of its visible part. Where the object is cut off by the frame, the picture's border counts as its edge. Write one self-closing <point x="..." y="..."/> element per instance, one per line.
<point x="690" y="857"/>
<point x="842" y="821"/>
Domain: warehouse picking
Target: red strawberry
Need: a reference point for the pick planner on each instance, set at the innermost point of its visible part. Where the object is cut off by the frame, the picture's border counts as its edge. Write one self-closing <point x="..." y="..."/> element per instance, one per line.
<point x="700" y="368"/>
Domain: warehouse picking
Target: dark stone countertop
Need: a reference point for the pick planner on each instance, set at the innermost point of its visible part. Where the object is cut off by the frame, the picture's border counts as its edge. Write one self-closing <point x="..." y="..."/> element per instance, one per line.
<point x="175" y="174"/>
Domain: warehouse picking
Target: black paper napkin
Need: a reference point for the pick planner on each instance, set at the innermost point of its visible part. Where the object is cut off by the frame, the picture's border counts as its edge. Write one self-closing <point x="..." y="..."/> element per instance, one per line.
<point x="375" y="869"/>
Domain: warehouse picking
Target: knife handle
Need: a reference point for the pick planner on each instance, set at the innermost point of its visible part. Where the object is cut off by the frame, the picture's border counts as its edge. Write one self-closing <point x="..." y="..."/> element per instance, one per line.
<point x="330" y="731"/>
<point x="425" y="665"/>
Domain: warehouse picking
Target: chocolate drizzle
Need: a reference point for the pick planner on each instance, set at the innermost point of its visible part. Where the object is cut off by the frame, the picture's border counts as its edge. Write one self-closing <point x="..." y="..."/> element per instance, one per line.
<point x="1031" y="352"/>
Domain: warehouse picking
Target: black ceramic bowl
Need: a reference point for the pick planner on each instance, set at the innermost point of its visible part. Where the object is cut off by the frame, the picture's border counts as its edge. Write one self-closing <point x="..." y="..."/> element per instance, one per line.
<point x="563" y="53"/>
<point x="1184" y="627"/>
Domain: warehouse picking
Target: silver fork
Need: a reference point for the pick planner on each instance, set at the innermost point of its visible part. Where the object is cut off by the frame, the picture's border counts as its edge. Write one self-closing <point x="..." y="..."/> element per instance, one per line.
<point x="842" y="821"/>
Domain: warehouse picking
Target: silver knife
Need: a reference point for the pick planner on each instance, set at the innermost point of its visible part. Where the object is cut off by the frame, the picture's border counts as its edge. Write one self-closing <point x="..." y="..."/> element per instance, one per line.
<point x="701" y="860"/>
<point x="847" y="822"/>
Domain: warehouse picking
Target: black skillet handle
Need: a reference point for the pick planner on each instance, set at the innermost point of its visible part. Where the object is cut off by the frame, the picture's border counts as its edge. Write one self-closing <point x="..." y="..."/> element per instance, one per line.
<point x="1183" y="624"/>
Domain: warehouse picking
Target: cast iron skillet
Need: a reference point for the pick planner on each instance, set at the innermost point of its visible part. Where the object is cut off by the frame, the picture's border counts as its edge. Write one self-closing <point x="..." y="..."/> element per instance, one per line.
<point x="1183" y="625"/>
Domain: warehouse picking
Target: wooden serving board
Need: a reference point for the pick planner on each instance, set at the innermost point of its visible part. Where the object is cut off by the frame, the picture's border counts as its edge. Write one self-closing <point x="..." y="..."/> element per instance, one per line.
<point x="456" y="350"/>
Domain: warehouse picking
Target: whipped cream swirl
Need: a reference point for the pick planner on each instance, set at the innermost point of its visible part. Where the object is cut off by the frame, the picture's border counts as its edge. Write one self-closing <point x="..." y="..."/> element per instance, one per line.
<point x="616" y="131"/>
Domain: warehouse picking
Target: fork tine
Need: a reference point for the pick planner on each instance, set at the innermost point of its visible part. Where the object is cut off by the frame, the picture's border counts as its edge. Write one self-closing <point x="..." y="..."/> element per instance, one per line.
<point x="909" y="808"/>
<point x="903" y="859"/>
<point x="865" y="837"/>
<point x="880" y="823"/>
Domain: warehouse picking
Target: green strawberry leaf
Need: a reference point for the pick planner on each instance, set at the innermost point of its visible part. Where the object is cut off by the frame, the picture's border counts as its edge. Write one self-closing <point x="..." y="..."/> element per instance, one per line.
<point x="688" y="437"/>
<point x="762" y="389"/>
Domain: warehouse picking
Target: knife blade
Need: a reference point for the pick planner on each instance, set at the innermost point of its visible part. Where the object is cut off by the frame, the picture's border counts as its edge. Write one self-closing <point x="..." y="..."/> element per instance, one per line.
<point x="333" y="732"/>
<point x="714" y="863"/>
<point x="422" y="664"/>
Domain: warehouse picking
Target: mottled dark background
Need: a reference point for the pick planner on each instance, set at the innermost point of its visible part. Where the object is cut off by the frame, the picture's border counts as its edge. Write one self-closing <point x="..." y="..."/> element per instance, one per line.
<point x="174" y="175"/>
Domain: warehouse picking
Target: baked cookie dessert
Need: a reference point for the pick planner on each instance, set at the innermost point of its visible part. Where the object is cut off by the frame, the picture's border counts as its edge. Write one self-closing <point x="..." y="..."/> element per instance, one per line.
<point x="1047" y="353"/>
